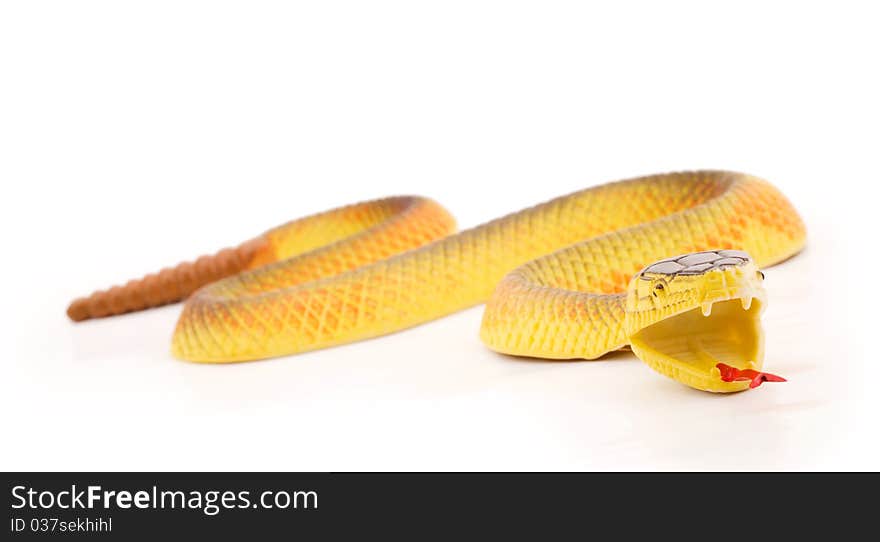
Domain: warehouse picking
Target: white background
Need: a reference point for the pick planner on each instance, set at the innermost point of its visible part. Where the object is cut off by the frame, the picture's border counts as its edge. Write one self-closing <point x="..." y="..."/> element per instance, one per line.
<point x="135" y="135"/>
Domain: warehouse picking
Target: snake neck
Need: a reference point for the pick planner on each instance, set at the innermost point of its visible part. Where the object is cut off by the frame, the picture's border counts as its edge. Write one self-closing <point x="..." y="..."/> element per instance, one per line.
<point x="528" y="317"/>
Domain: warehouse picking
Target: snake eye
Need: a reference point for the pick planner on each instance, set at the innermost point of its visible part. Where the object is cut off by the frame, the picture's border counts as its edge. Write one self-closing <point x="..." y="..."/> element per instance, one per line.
<point x="657" y="288"/>
<point x="761" y="274"/>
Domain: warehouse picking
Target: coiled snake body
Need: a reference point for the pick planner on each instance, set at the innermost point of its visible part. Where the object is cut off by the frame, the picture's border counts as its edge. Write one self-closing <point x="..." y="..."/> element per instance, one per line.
<point x="565" y="279"/>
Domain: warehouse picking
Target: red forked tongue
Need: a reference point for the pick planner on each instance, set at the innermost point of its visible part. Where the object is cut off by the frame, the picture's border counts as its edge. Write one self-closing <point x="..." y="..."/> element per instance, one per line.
<point x="732" y="374"/>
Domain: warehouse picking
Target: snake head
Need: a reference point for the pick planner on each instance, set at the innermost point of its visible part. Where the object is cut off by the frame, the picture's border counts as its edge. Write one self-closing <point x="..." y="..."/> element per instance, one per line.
<point x="686" y="316"/>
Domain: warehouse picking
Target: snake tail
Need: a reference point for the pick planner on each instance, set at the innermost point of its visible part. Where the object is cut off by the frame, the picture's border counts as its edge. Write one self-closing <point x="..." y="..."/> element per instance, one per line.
<point x="335" y="241"/>
<point x="169" y="285"/>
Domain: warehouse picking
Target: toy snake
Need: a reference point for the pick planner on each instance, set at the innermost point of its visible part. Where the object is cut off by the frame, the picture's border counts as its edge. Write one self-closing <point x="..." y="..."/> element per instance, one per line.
<point x="575" y="277"/>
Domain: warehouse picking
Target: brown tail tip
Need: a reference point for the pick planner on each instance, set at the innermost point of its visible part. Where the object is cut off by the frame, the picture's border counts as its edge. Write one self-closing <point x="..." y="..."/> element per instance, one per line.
<point x="79" y="310"/>
<point x="169" y="285"/>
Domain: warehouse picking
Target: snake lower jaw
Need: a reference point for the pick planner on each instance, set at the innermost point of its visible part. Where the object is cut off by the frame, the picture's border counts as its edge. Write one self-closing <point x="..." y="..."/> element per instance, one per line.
<point x="690" y="345"/>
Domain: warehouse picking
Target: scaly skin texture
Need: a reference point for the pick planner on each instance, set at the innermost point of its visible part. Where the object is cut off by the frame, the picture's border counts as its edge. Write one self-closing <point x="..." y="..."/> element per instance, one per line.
<point x="549" y="266"/>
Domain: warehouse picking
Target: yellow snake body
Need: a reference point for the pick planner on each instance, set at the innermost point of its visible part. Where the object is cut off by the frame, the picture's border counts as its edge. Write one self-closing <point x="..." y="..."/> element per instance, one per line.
<point x="560" y="271"/>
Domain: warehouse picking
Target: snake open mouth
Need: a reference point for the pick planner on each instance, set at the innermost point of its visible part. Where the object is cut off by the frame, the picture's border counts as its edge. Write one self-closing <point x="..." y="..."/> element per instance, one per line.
<point x="694" y="342"/>
<point x="697" y="318"/>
